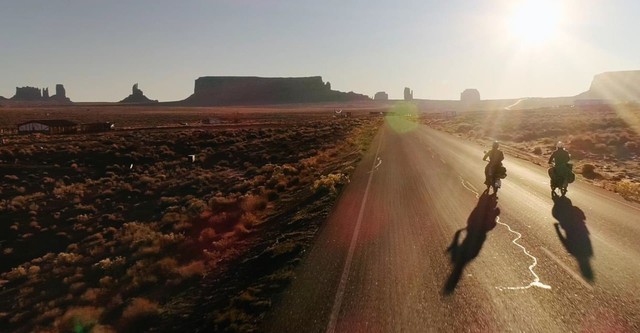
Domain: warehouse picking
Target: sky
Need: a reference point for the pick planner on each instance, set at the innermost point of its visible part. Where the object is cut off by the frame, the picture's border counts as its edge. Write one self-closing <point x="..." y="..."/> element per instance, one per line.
<point x="99" y="49"/>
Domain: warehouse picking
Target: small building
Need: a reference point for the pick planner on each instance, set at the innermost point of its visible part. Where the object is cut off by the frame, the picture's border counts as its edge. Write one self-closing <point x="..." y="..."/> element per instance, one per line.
<point x="212" y="121"/>
<point x="53" y="126"/>
<point x="97" y="127"/>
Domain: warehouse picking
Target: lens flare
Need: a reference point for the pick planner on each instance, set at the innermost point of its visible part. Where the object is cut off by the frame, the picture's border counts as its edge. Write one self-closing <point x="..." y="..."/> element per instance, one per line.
<point x="403" y="117"/>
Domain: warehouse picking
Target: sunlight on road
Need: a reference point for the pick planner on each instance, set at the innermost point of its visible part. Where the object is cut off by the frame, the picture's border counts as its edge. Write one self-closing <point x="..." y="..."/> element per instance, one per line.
<point x="403" y="117"/>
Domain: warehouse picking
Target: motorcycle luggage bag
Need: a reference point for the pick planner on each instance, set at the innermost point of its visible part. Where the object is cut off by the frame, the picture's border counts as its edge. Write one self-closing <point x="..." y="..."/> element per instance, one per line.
<point x="502" y="172"/>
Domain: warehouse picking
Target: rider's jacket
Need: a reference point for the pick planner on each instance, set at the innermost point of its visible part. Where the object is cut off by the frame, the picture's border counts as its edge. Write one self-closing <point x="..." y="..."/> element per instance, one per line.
<point x="560" y="156"/>
<point x="495" y="156"/>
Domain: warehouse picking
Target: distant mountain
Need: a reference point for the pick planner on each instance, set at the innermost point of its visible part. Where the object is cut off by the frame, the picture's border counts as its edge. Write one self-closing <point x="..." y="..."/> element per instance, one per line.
<point x="137" y="97"/>
<point x="251" y="90"/>
<point x="622" y="86"/>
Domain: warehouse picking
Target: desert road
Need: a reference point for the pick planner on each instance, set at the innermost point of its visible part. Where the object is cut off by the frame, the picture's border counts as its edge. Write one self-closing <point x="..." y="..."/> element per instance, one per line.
<point x="414" y="245"/>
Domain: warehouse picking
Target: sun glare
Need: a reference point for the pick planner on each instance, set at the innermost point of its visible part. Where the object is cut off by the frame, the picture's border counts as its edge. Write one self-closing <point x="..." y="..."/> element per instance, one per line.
<point x="535" y="21"/>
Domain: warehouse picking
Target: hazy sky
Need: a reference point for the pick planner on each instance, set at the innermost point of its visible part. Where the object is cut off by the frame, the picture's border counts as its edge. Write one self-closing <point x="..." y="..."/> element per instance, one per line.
<point x="99" y="49"/>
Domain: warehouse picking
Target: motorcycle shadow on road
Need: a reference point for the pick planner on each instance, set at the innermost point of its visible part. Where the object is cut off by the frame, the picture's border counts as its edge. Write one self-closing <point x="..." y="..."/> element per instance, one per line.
<point x="576" y="239"/>
<point x="481" y="220"/>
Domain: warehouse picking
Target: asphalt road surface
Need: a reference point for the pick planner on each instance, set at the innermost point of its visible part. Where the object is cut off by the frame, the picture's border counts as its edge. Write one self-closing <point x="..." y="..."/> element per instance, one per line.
<point x="414" y="245"/>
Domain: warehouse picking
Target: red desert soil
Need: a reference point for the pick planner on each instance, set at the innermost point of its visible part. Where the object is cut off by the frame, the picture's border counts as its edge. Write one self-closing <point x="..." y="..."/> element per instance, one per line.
<point x="192" y="227"/>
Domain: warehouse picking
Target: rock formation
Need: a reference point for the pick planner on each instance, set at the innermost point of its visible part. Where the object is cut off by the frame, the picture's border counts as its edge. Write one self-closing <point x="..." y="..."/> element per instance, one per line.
<point x="381" y="96"/>
<point x="27" y="94"/>
<point x="33" y="94"/>
<point x="60" y="91"/>
<point x="242" y="90"/>
<point x="61" y="94"/>
<point x="623" y="86"/>
<point x="470" y="96"/>
<point x="408" y="94"/>
<point x="137" y="96"/>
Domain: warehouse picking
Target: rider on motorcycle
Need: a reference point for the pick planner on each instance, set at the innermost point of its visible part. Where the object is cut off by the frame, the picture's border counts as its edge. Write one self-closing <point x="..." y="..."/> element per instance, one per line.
<point x="560" y="159"/>
<point x="495" y="157"/>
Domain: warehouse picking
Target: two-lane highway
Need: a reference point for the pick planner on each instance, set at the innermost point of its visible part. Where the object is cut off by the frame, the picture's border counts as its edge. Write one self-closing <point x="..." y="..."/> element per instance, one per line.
<point x="414" y="244"/>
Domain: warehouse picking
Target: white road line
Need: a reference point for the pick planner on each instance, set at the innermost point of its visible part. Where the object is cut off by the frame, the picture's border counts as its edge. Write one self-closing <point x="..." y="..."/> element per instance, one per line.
<point x="378" y="164"/>
<point x="536" y="281"/>
<point x="337" y="304"/>
<point x="375" y="168"/>
<point x="569" y="270"/>
<point x="471" y="188"/>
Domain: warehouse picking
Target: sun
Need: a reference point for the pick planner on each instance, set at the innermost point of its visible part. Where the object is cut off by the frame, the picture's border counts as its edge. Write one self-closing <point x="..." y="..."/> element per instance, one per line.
<point x="535" y="22"/>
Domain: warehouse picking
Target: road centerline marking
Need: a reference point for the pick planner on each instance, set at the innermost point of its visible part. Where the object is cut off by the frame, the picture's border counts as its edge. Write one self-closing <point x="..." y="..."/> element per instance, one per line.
<point x="536" y="281"/>
<point x="337" y="304"/>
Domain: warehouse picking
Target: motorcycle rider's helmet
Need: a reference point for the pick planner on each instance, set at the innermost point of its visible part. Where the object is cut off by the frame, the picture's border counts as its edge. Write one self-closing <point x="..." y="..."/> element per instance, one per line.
<point x="496" y="144"/>
<point x="559" y="145"/>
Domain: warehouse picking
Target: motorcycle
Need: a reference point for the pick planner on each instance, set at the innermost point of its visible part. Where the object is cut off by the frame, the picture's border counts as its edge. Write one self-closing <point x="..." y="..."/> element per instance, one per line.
<point x="559" y="181"/>
<point x="495" y="179"/>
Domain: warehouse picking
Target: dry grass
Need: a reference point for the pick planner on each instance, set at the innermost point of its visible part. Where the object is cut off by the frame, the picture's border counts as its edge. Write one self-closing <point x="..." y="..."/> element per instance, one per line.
<point x="102" y="231"/>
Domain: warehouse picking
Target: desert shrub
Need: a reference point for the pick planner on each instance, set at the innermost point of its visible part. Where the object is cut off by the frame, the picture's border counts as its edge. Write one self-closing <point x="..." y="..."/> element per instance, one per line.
<point x="464" y="128"/>
<point x="588" y="171"/>
<point x="622" y="152"/>
<point x="601" y="148"/>
<point x="138" y="315"/>
<point x="585" y="144"/>
<point x="628" y="190"/>
<point x="253" y="203"/>
<point x="142" y="273"/>
<point x="92" y="295"/>
<point x="111" y="263"/>
<point x="207" y="235"/>
<point x="15" y="273"/>
<point x="578" y="154"/>
<point x="289" y="170"/>
<point x="79" y="319"/>
<point x="195" y="207"/>
<point x="68" y="258"/>
<point x="168" y="201"/>
<point x="106" y="281"/>
<point x="631" y="146"/>
<point x="222" y="203"/>
<point x="537" y="151"/>
<point x="272" y="195"/>
<point x="77" y="288"/>
<point x="329" y="183"/>
<point x="505" y="137"/>
<point x="192" y="269"/>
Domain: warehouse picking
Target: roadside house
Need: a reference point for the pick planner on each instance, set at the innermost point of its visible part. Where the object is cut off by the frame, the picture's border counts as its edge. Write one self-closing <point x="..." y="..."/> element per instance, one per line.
<point x="53" y="126"/>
